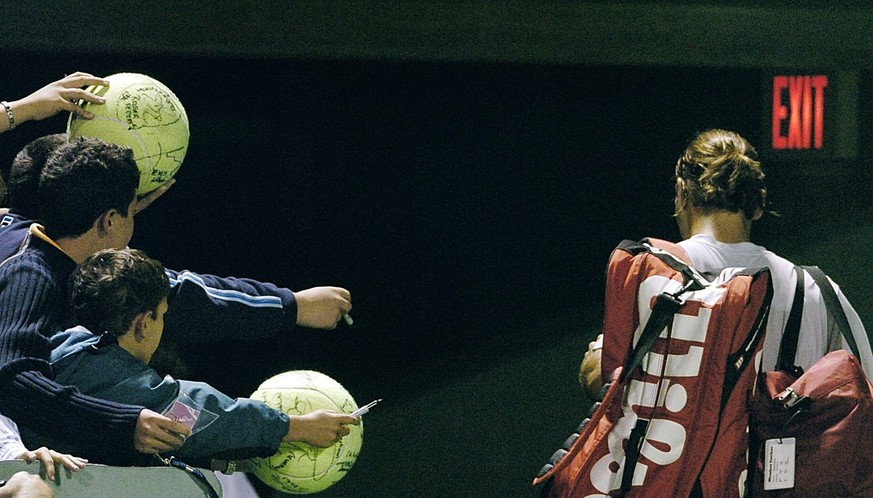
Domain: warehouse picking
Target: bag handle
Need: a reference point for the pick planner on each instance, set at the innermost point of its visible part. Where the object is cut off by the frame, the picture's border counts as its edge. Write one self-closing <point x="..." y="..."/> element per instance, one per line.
<point x="832" y="302"/>
<point x="790" y="338"/>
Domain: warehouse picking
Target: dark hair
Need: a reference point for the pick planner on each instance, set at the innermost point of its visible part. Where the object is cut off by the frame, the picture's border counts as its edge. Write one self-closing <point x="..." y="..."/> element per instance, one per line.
<point x="113" y="286"/>
<point x="82" y="180"/>
<point x="721" y="172"/>
<point x="24" y="174"/>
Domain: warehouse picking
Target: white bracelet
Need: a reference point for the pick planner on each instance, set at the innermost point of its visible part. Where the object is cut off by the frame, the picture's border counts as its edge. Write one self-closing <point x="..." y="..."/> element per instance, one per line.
<point x="9" y="114"/>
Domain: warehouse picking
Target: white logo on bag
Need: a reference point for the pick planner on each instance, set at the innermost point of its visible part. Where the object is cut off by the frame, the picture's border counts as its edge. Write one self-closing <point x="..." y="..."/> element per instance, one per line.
<point x="664" y="439"/>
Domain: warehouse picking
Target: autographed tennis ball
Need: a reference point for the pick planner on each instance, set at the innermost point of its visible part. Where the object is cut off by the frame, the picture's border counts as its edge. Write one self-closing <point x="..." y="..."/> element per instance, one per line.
<point x="299" y="468"/>
<point x="141" y="113"/>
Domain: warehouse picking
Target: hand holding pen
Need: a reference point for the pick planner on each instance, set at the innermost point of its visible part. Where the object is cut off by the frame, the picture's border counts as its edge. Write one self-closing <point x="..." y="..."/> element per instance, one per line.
<point x="364" y="409"/>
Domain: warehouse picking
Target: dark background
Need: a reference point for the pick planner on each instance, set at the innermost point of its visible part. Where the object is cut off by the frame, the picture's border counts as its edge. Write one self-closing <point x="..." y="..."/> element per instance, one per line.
<point x="469" y="204"/>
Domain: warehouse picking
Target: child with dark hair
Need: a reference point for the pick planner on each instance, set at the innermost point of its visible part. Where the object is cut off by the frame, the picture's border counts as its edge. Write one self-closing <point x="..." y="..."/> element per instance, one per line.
<point x="119" y="298"/>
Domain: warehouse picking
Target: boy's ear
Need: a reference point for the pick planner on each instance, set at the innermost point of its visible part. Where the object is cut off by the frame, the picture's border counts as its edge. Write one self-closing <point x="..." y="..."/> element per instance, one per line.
<point x="139" y="325"/>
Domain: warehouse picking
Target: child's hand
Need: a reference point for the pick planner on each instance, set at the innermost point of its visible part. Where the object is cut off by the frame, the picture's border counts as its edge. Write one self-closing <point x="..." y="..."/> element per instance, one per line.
<point x="61" y="95"/>
<point x="48" y="458"/>
<point x="320" y="428"/>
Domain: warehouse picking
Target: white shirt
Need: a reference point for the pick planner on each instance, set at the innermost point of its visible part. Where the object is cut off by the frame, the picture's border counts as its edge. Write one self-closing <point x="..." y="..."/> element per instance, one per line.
<point x="11" y="447"/>
<point x="707" y="254"/>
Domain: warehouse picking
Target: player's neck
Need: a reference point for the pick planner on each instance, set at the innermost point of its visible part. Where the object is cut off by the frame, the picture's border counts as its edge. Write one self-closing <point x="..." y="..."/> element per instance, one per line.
<point x="724" y="226"/>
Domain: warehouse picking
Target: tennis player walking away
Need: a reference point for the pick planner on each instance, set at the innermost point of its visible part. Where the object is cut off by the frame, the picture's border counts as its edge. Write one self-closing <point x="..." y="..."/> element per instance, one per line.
<point x="720" y="193"/>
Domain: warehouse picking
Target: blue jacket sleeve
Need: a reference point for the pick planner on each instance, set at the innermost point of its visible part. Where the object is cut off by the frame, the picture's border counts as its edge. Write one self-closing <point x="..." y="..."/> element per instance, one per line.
<point x="225" y="428"/>
<point x="206" y="307"/>
<point x="243" y="428"/>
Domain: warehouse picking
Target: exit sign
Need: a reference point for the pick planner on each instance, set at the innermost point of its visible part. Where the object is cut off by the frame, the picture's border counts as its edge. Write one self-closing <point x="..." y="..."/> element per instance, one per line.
<point x="810" y="115"/>
<point x="798" y="111"/>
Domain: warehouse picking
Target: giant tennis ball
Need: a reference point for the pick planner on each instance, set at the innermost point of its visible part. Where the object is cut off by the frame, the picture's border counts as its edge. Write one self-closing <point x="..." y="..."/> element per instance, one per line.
<point x="141" y="113"/>
<point x="299" y="468"/>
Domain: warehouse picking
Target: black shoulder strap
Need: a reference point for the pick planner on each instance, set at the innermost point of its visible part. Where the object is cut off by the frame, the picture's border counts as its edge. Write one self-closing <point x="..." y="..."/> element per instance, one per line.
<point x="666" y="305"/>
<point x="662" y="314"/>
<point x="791" y="335"/>
<point x="835" y="308"/>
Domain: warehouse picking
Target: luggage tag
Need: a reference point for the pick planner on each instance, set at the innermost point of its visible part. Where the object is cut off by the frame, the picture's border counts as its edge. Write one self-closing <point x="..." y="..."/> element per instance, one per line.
<point x="779" y="463"/>
<point x="183" y="409"/>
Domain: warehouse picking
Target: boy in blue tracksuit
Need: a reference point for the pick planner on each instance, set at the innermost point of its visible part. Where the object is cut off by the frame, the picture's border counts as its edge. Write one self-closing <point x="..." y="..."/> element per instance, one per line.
<point x="121" y="296"/>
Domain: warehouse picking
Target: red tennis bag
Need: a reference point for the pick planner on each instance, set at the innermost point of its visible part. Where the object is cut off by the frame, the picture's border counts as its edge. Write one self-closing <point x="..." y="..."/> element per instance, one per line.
<point x="810" y="430"/>
<point x="677" y="344"/>
<point x="827" y="413"/>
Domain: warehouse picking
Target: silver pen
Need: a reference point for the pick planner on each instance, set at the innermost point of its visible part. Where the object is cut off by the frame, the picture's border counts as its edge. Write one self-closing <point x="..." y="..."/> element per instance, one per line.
<point x="366" y="408"/>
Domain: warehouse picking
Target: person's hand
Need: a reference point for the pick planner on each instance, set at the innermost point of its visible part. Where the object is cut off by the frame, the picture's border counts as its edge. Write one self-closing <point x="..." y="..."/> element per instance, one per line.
<point x="156" y="433"/>
<point x="145" y="200"/>
<point x="320" y="428"/>
<point x="23" y="484"/>
<point x="48" y="458"/>
<point x="61" y="95"/>
<point x="322" y="307"/>
<point x="589" y="369"/>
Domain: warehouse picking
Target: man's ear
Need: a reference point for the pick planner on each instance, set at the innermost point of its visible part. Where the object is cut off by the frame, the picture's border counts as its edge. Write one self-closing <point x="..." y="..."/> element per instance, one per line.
<point x="106" y="221"/>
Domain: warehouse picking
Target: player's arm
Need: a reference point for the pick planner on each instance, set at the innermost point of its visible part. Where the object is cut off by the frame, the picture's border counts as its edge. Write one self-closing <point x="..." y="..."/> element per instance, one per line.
<point x="858" y="331"/>
<point x="58" y="96"/>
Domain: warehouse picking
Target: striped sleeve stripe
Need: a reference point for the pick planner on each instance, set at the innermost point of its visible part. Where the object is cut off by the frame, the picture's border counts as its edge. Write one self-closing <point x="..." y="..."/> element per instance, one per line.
<point x="225" y="294"/>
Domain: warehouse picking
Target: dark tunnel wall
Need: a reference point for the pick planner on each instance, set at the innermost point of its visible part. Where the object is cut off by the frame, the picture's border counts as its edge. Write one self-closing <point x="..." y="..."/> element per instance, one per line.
<point x="446" y="196"/>
<point x="464" y="205"/>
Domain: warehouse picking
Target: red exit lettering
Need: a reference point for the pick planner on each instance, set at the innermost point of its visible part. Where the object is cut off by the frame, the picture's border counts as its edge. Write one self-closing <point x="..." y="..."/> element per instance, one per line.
<point x="798" y="111"/>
